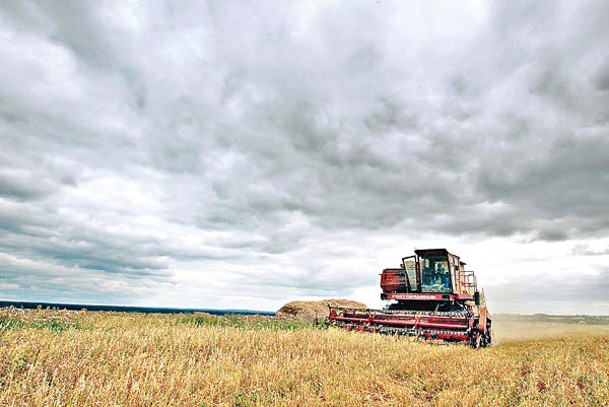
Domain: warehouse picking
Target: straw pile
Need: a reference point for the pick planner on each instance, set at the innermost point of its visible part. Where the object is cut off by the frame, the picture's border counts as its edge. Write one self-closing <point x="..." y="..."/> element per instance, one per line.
<point x="312" y="310"/>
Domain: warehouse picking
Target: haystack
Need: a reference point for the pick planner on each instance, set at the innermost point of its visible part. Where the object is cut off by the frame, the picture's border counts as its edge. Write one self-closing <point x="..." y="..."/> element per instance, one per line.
<point x="311" y="310"/>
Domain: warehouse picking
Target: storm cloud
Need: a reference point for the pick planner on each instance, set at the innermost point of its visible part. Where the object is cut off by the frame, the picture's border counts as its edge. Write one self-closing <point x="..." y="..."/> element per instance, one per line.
<point x="242" y="155"/>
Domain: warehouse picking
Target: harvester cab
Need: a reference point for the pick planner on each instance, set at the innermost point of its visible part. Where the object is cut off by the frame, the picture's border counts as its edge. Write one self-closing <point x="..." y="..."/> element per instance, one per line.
<point x="432" y="278"/>
<point x="430" y="295"/>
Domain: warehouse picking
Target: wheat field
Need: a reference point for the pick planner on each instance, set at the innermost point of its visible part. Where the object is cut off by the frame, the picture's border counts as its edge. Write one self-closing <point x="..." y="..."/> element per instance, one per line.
<point x="61" y="358"/>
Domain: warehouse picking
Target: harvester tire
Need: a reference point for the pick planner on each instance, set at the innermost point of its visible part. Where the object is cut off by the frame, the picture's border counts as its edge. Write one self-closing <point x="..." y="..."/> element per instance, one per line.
<point x="479" y="340"/>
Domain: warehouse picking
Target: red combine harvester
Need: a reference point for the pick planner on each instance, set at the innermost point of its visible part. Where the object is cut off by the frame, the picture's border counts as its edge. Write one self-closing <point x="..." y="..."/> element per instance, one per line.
<point x="432" y="295"/>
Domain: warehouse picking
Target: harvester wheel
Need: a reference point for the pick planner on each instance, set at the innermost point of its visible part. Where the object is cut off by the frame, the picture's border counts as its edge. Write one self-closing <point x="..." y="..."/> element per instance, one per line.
<point x="488" y="339"/>
<point x="482" y="340"/>
<point x="478" y="340"/>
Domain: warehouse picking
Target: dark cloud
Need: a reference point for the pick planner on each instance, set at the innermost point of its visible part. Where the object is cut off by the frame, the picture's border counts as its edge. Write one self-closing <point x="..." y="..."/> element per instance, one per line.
<point x="168" y="143"/>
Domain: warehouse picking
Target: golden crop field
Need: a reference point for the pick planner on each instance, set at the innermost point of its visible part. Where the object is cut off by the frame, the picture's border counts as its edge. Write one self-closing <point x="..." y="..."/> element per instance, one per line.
<point x="60" y="358"/>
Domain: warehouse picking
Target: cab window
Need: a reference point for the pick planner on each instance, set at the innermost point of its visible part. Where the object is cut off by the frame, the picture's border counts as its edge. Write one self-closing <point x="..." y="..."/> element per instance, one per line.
<point x="435" y="274"/>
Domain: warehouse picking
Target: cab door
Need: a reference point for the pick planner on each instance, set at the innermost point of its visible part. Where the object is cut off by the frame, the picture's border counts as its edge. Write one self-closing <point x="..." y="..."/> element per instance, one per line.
<point x="454" y="273"/>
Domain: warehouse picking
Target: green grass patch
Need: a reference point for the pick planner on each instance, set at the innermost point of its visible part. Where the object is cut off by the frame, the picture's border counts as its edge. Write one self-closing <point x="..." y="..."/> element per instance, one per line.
<point x="12" y="324"/>
<point x="248" y="323"/>
<point x="55" y="326"/>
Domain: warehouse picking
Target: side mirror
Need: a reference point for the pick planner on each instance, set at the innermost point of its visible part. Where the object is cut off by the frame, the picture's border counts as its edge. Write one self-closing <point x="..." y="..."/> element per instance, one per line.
<point x="477" y="298"/>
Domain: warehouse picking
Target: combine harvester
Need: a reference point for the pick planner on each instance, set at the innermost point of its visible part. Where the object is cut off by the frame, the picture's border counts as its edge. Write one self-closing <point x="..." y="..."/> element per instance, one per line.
<point x="432" y="295"/>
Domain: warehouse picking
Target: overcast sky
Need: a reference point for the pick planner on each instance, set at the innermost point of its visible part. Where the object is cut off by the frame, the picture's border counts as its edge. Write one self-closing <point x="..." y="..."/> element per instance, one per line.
<point x="245" y="154"/>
